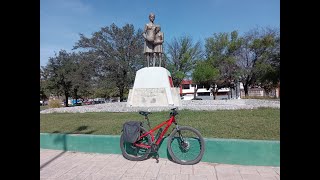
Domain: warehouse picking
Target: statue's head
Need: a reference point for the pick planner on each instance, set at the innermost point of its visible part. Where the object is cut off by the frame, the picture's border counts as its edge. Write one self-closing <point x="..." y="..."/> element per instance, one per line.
<point x="158" y="28"/>
<point x="152" y="17"/>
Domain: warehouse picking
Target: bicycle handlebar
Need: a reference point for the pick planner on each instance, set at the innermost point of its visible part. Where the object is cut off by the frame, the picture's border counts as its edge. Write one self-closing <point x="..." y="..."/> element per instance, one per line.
<point x="174" y="112"/>
<point x="144" y="113"/>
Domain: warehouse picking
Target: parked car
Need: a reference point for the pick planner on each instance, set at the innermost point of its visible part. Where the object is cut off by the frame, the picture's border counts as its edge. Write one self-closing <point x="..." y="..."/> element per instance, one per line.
<point x="187" y="97"/>
<point x="88" y="102"/>
<point x="99" y="102"/>
<point x="43" y="103"/>
<point x="77" y="102"/>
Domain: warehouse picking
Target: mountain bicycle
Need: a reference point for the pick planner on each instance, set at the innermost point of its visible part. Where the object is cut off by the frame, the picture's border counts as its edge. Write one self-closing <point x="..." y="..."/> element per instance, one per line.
<point x="185" y="144"/>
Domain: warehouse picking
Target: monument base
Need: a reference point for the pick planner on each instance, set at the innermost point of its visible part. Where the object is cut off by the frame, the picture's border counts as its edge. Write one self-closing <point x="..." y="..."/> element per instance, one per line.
<point x="153" y="87"/>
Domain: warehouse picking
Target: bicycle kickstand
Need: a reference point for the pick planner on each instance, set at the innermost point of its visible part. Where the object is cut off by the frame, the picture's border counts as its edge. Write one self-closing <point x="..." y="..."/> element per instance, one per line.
<point x="157" y="157"/>
<point x="155" y="151"/>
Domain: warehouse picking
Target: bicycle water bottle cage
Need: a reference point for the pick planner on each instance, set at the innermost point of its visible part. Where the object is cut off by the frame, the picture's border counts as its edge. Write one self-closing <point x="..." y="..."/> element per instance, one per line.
<point x="144" y="113"/>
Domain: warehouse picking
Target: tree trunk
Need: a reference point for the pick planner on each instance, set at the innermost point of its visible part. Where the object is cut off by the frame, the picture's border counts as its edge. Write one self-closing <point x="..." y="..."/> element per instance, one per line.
<point x="66" y="100"/>
<point x="195" y="92"/>
<point x="214" y="93"/>
<point x="246" y="90"/>
<point x="76" y="95"/>
<point x="121" y="90"/>
<point x="279" y="89"/>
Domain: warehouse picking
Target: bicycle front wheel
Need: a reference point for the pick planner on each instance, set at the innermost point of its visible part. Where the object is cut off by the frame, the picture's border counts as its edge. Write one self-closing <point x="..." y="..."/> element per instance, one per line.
<point x="186" y="146"/>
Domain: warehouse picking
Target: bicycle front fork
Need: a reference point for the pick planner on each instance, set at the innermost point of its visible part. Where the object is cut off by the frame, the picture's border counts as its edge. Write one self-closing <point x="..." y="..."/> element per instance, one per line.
<point x="184" y="144"/>
<point x="179" y="132"/>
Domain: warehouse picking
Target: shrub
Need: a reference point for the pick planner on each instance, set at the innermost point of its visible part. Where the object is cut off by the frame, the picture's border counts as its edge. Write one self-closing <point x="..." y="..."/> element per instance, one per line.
<point x="54" y="103"/>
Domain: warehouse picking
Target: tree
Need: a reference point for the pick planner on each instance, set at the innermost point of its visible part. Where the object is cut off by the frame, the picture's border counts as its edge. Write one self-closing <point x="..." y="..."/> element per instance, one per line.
<point x="82" y="76"/>
<point x="119" y="52"/>
<point x="204" y="73"/>
<point x="60" y="70"/>
<point x="268" y="68"/>
<point x="181" y="58"/>
<point x="44" y="94"/>
<point x="221" y="52"/>
<point x="260" y="47"/>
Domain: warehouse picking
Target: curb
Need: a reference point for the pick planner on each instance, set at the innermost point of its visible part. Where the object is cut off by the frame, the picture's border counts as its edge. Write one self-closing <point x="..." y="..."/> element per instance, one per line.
<point x="226" y="151"/>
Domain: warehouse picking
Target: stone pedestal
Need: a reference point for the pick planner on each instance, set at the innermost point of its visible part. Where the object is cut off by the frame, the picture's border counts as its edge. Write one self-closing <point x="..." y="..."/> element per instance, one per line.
<point x="153" y="87"/>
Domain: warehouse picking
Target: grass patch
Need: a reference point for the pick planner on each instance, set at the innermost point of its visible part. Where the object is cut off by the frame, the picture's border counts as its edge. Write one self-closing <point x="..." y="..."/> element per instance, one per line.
<point x="260" y="124"/>
<point x="44" y="107"/>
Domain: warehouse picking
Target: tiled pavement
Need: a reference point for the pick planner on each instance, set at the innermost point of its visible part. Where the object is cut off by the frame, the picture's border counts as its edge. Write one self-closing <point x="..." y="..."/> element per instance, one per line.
<point x="62" y="165"/>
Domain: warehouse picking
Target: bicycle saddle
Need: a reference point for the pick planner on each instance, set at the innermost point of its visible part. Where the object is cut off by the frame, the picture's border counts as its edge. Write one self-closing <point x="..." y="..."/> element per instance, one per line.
<point x="144" y="113"/>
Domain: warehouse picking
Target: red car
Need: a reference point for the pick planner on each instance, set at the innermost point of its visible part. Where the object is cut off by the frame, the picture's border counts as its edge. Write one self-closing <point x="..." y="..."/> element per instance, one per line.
<point x="88" y="102"/>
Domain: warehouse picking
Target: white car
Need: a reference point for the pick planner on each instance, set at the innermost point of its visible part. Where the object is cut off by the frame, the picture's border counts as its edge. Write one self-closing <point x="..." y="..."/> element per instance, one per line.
<point x="187" y="97"/>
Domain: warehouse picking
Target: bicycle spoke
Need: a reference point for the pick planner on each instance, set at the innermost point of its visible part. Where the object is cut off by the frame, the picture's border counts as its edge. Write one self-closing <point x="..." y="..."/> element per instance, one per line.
<point x="192" y="150"/>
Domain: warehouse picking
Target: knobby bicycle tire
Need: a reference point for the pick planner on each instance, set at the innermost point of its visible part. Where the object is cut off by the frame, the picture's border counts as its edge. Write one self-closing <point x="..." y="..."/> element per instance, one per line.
<point x="174" y="137"/>
<point x="131" y="156"/>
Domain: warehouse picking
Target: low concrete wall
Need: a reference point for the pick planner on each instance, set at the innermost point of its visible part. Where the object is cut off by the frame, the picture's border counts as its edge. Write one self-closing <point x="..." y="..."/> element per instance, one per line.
<point x="227" y="151"/>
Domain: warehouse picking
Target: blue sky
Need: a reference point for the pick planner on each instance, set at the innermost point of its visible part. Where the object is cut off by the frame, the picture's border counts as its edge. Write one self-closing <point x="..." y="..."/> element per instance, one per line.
<point x="61" y="21"/>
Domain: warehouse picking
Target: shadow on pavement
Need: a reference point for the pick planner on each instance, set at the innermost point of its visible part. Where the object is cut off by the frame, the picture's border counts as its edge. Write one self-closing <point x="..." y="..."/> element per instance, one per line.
<point x="62" y="138"/>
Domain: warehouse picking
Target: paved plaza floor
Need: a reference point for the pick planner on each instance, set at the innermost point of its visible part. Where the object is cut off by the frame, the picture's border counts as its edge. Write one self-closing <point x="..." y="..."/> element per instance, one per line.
<point x="64" y="165"/>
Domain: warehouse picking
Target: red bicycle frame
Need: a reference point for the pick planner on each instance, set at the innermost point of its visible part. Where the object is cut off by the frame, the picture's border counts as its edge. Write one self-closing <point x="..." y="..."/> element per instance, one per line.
<point x="167" y="122"/>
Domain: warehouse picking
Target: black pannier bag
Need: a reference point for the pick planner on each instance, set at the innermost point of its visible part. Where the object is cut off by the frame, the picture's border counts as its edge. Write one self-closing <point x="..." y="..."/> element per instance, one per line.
<point x="131" y="131"/>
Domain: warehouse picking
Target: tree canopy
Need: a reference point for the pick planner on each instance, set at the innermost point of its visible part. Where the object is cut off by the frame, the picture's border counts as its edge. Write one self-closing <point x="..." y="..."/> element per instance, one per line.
<point x="119" y="55"/>
<point x="182" y="56"/>
<point x="105" y="63"/>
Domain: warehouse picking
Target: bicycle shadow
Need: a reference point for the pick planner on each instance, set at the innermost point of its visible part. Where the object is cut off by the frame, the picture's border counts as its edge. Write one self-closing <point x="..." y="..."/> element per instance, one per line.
<point x="62" y="138"/>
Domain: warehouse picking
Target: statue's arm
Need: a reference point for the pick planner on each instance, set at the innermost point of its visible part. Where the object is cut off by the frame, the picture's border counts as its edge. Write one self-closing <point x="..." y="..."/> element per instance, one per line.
<point x="162" y="38"/>
<point x="144" y="32"/>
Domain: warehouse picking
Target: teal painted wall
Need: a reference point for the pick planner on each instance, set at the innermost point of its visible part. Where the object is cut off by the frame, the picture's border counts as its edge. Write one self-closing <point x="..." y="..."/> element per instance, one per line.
<point x="244" y="152"/>
<point x="227" y="151"/>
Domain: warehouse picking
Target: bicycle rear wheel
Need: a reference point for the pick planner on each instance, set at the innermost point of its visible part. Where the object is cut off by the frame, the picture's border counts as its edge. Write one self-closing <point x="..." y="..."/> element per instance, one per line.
<point x="186" y="146"/>
<point x="134" y="153"/>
